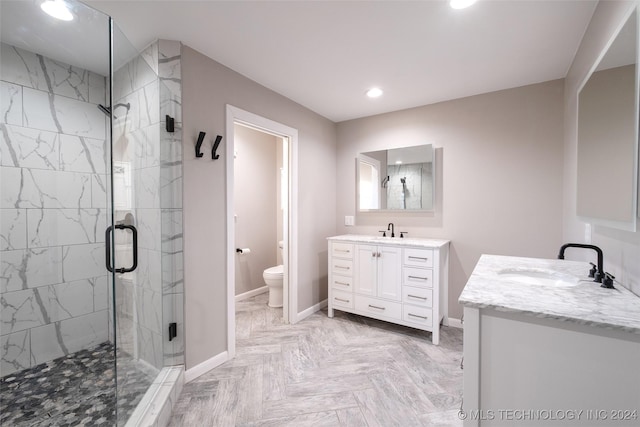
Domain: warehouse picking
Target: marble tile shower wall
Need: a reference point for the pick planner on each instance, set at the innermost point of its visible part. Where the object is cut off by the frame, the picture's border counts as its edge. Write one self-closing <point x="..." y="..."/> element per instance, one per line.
<point x="169" y="72"/>
<point x="53" y="157"/>
<point x="413" y="194"/>
<point x="151" y="297"/>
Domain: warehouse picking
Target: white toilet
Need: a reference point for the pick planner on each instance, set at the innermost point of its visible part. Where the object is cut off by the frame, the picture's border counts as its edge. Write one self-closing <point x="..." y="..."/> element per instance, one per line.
<point x="273" y="278"/>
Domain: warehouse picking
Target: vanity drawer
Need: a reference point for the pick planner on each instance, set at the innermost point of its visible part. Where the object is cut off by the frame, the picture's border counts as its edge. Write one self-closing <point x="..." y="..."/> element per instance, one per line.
<point x="342" y="266"/>
<point x="342" y="283"/>
<point x="417" y="277"/>
<point x="379" y="308"/>
<point x="418" y="296"/>
<point x="342" y="250"/>
<point x="418" y="315"/>
<point x="418" y="257"/>
<point x="341" y="299"/>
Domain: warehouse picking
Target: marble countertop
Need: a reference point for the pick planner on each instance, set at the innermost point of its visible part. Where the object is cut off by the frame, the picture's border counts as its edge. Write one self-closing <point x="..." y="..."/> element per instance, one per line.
<point x="586" y="303"/>
<point x="376" y="240"/>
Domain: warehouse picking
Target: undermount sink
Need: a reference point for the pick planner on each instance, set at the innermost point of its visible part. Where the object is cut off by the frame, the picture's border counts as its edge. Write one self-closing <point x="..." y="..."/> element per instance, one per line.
<point x="538" y="276"/>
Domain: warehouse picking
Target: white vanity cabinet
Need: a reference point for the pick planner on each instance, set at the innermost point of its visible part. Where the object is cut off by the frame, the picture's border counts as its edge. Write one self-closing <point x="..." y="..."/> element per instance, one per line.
<point x="403" y="281"/>
<point x="544" y="354"/>
<point x="377" y="271"/>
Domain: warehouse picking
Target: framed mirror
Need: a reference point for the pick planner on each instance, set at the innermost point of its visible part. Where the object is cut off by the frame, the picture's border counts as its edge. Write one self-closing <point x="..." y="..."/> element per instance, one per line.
<point x="398" y="179"/>
<point x="607" y="181"/>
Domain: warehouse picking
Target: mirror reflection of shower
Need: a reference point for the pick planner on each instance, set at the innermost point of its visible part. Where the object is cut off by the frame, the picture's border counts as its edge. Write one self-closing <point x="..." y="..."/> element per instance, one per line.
<point x="396" y="179"/>
<point x="406" y="185"/>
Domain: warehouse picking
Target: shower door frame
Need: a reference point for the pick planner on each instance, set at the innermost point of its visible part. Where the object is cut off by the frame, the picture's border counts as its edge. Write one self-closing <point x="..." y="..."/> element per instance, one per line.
<point x="234" y="116"/>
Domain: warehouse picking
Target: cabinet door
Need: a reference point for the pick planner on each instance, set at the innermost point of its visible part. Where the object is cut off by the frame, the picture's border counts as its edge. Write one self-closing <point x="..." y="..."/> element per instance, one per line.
<point x="390" y="273"/>
<point x="366" y="269"/>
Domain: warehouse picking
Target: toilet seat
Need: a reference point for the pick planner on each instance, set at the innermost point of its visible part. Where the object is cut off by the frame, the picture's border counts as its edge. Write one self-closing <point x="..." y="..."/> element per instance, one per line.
<point x="274" y="272"/>
<point x="274" y="278"/>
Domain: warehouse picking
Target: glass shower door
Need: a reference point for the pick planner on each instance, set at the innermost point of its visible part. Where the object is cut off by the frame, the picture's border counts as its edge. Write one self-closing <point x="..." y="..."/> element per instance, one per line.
<point x="137" y="221"/>
<point x="57" y="365"/>
<point x="84" y="150"/>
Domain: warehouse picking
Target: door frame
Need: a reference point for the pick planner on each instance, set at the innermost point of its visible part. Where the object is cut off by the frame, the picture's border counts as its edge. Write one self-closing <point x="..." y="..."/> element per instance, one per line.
<point x="235" y="115"/>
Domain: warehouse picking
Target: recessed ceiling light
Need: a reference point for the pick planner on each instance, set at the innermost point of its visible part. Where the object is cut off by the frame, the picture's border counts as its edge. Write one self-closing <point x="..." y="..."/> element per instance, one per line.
<point x="374" y="92"/>
<point x="461" y="4"/>
<point x="58" y="9"/>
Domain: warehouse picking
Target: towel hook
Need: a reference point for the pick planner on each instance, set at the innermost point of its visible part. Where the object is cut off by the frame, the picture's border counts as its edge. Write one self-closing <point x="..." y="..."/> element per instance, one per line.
<point x="199" y="144"/>
<point x="215" y="156"/>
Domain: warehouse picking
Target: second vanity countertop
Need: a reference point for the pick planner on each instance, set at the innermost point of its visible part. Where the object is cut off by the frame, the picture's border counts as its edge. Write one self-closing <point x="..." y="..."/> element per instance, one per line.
<point x="585" y="303"/>
<point x="376" y="240"/>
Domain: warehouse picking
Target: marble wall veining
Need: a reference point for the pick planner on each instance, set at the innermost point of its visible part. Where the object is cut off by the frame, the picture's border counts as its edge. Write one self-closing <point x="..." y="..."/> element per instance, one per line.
<point x="150" y="160"/>
<point x="416" y="190"/>
<point x="171" y="237"/>
<point x="53" y="199"/>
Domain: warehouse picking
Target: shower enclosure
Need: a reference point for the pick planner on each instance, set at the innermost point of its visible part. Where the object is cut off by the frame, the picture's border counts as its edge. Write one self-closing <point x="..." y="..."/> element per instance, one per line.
<point x="91" y="289"/>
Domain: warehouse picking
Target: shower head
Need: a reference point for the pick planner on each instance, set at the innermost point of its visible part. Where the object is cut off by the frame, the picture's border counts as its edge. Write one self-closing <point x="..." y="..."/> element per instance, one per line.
<point x="104" y="109"/>
<point x="107" y="110"/>
<point x="403" y="180"/>
<point x="127" y="106"/>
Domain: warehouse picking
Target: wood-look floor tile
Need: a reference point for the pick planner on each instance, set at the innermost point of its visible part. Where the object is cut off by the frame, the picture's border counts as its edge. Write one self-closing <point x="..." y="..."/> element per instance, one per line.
<point x="442" y="419"/>
<point x="398" y="386"/>
<point x="273" y="383"/>
<point x="351" y="417"/>
<point x="308" y="404"/>
<point x="345" y="371"/>
<point x="249" y="401"/>
<point x="315" y="419"/>
<point x="328" y="383"/>
<point x="381" y="411"/>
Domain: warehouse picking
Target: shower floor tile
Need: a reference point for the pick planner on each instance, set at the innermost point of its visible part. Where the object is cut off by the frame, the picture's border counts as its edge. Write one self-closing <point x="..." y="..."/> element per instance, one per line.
<point x="75" y="390"/>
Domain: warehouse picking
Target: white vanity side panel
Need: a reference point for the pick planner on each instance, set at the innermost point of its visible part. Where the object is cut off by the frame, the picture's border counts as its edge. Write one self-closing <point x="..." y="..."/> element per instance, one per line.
<point x="531" y="365"/>
<point x="471" y="364"/>
<point x="442" y="273"/>
<point x="437" y="291"/>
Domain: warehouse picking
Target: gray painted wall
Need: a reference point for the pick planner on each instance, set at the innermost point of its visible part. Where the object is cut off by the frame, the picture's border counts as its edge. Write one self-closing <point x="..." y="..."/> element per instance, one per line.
<point x="256" y="188"/>
<point x="498" y="174"/>
<point x="207" y="87"/>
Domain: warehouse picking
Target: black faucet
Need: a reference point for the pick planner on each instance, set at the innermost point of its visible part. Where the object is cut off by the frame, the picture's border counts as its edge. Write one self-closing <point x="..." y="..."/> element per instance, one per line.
<point x="599" y="273"/>
<point x="390" y="227"/>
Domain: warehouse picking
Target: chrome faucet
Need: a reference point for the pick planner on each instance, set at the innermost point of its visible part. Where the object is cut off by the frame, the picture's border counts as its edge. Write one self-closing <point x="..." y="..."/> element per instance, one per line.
<point x="391" y="227"/>
<point x="599" y="273"/>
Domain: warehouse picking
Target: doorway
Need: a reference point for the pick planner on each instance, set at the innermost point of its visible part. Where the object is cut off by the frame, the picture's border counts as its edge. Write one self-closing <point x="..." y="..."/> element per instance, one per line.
<point x="288" y="138"/>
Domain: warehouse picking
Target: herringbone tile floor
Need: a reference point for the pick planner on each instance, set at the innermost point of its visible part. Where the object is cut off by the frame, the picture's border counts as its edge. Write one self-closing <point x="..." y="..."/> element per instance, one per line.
<point x="345" y="371"/>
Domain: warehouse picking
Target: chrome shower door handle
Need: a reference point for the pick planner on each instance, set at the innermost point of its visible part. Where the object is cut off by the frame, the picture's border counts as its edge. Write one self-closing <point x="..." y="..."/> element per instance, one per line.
<point x="107" y="239"/>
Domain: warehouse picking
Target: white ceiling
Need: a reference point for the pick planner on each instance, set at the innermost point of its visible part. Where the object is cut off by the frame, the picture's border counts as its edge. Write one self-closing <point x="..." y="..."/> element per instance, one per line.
<point x="326" y="54"/>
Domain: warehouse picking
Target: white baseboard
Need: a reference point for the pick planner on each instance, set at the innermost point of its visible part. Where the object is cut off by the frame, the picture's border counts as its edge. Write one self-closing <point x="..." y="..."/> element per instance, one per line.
<point x="309" y="311"/>
<point x="455" y="323"/>
<point x="206" y="366"/>
<point x="252" y="293"/>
